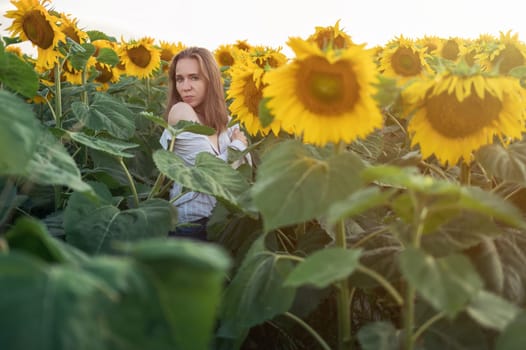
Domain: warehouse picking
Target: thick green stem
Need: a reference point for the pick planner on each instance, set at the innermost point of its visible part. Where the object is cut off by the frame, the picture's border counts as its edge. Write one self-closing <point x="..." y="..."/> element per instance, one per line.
<point x="428" y="324"/>
<point x="343" y="298"/>
<point x="465" y="174"/>
<point x="383" y="282"/>
<point x="409" y="316"/>
<point x="420" y="215"/>
<point x="58" y="96"/>
<point x="130" y="180"/>
<point x="309" y="329"/>
<point x="156" y="186"/>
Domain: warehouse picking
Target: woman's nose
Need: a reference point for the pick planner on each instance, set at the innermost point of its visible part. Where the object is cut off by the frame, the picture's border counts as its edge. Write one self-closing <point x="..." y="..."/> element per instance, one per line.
<point x="186" y="84"/>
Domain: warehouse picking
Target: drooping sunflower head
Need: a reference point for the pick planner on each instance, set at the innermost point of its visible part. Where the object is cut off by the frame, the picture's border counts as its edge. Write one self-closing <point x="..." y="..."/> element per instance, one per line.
<point x="331" y="36"/>
<point x="451" y="48"/>
<point x="432" y="44"/>
<point x="70" y="28"/>
<point x="73" y="75"/>
<point x="32" y="21"/>
<point x="168" y="51"/>
<point x="242" y="45"/>
<point x="246" y="93"/>
<point x="324" y="96"/>
<point x="471" y="53"/>
<point x="105" y="73"/>
<point x="225" y="55"/>
<point x="510" y="53"/>
<point x="454" y="115"/>
<point x="265" y="56"/>
<point x="403" y="60"/>
<point x="140" y="58"/>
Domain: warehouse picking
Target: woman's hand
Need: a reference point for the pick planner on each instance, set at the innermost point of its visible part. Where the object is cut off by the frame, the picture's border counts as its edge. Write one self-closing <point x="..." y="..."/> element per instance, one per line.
<point x="239" y="135"/>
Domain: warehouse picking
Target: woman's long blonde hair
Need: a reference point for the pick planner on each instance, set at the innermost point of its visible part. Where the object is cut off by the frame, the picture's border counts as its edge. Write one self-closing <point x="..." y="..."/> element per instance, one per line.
<point x="212" y="111"/>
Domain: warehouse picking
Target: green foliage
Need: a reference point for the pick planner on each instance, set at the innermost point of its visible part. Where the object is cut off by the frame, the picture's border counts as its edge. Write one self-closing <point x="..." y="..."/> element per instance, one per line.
<point x="307" y="243"/>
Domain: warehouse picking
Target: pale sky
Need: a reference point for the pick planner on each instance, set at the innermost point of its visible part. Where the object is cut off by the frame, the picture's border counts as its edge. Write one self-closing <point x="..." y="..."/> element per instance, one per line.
<point x="210" y="23"/>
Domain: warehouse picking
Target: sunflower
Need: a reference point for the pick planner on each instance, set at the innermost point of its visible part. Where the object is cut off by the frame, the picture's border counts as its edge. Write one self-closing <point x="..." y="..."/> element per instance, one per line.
<point x="242" y="45"/>
<point x="265" y="56"/>
<point x="168" y="51"/>
<point x="69" y="27"/>
<point x="404" y="60"/>
<point x="510" y="53"/>
<point x="455" y="114"/>
<point x="331" y="36"/>
<point x="141" y="58"/>
<point x="106" y="73"/>
<point x="246" y="92"/>
<point x="432" y="44"/>
<point x="226" y="55"/>
<point x="33" y="22"/>
<point x="324" y="96"/>
<point x="70" y="74"/>
<point x="451" y="48"/>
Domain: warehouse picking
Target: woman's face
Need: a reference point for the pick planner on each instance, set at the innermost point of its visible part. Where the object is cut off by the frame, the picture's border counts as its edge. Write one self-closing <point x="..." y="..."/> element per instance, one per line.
<point x="189" y="81"/>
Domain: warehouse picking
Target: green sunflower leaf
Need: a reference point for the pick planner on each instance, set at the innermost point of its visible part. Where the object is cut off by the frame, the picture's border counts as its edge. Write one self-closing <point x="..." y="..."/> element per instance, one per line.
<point x="51" y="164"/>
<point x="116" y="148"/>
<point x="94" y="225"/>
<point x="19" y="130"/>
<point x="256" y="293"/>
<point x="18" y="75"/>
<point x="324" y="267"/>
<point x="506" y="163"/>
<point x="294" y="184"/>
<point x="210" y="175"/>
<point x="106" y="113"/>
<point x="448" y="283"/>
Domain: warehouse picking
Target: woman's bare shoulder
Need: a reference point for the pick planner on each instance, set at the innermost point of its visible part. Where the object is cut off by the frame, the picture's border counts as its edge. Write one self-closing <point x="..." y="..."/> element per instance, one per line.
<point x="181" y="111"/>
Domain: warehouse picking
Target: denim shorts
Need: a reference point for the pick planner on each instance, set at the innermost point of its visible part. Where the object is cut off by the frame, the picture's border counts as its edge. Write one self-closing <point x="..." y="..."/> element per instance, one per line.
<point x="193" y="230"/>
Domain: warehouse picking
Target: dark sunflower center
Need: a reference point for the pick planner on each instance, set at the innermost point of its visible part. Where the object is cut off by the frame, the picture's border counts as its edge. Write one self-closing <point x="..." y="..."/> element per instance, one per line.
<point x="325" y="88"/>
<point x="166" y="55"/>
<point x="37" y="29"/>
<point x="470" y="58"/>
<point x="406" y="62"/>
<point x="450" y="50"/>
<point x="105" y="74"/>
<point x="140" y="56"/>
<point x="455" y="119"/>
<point x="225" y="59"/>
<point x="430" y="47"/>
<point x="509" y="58"/>
<point x="72" y="34"/>
<point x="252" y="96"/>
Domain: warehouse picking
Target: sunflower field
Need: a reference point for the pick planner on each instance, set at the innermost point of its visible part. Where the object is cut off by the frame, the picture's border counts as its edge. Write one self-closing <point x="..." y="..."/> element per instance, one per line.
<point x="384" y="207"/>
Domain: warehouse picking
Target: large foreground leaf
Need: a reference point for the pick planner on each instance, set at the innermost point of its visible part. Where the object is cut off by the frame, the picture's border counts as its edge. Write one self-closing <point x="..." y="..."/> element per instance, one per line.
<point x="93" y="226"/>
<point x="190" y="276"/>
<point x="256" y="293"/>
<point x="19" y="130"/>
<point x="51" y="164"/>
<point x="295" y="185"/>
<point x="17" y="74"/>
<point x="44" y="307"/>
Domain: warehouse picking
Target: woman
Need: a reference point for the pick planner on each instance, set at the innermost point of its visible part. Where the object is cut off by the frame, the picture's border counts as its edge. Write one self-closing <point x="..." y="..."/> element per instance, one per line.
<point x="195" y="93"/>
